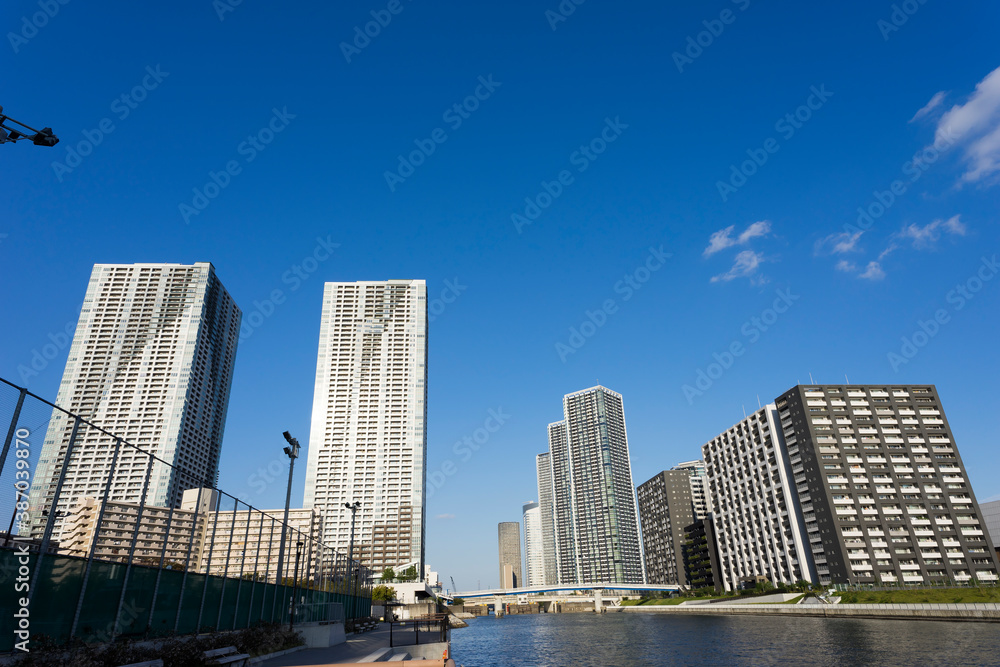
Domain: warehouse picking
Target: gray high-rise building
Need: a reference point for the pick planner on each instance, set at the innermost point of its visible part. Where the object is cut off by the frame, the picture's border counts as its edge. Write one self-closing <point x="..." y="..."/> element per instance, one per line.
<point x="881" y="486"/>
<point x="665" y="510"/>
<point x="368" y="441"/>
<point x="151" y="362"/>
<point x="858" y="484"/>
<point x="509" y="541"/>
<point x="595" y="515"/>
<point x="543" y="465"/>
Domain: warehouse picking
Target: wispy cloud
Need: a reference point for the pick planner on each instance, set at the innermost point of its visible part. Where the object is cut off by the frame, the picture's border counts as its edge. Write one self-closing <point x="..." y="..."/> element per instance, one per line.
<point x="847" y="267"/>
<point x="976" y="124"/>
<point x="746" y="265"/>
<point x="445" y="516"/>
<point x="929" y="107"/>
<point x="724" y="238"/>
<point x="873" y="272"/>
<point x="836" y="244"/>
<point x="926" y="236"/>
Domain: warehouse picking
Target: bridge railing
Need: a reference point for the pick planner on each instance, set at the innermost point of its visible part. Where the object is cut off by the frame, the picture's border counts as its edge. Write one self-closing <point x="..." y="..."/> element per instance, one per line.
<point x="103" y="541"/>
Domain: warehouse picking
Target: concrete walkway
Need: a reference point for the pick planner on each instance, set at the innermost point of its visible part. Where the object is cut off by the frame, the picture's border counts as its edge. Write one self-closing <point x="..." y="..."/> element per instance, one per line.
<point x="357" y="646"/>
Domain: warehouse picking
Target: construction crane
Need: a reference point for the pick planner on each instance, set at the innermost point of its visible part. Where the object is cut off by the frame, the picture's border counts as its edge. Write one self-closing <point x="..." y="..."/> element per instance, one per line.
<point x="43" y="137"/>
<point x="454" y="588"/>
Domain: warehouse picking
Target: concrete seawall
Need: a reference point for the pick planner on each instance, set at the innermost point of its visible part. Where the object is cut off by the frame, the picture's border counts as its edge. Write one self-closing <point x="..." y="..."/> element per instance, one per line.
<point x="983" y="612"/>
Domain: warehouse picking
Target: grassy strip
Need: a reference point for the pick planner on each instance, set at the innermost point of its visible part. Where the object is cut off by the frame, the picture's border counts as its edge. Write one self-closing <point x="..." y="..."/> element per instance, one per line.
<point x="922" y="596"/>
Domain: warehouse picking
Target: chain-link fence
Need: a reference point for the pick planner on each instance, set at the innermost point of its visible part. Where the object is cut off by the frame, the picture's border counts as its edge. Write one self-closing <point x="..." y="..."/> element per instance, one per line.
<point x="106" y="538"/>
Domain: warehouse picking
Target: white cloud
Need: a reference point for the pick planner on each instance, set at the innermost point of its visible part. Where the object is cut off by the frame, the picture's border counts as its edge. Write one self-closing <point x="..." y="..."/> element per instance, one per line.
<point x="746" y="264"/>
<point x="927" y="236"/>
<point x="873" y="272"/>
<point x="445" y="516"/>
<point x="847" y="267"/>
<point x="723" y="238"/>
<point x="836" y="244"/>
<point x="930" y="106"/>
<point x="976" y="123"/>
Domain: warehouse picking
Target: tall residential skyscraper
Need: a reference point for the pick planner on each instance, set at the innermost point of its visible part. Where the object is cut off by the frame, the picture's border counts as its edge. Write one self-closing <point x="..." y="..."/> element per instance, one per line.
<point x="665" y="510"/>
<point x="534" y="557"/>
<point x="368" y="439"/>
<point x="152" y="362"/>
<point x="596" y="521"/>
<point x="991" y="515"/>
<point x="509" y="541"/>
<point x="543" y="465"/>
<point x="701" y="500"/>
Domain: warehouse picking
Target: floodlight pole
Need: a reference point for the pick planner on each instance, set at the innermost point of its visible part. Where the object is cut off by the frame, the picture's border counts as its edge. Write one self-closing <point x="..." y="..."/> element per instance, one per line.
<point x="293" y="453"/>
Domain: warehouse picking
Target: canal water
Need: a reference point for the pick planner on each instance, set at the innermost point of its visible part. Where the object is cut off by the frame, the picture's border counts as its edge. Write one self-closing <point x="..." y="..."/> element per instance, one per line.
<point x="619" y="639"/>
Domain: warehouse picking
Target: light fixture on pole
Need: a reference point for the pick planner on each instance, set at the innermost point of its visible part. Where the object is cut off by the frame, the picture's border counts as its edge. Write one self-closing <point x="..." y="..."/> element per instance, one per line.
<point x="43" y="137"/>
<point x="292" y="450"/>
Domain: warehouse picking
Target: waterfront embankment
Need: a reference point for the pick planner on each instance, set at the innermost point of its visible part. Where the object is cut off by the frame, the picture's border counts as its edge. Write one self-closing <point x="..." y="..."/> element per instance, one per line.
<point x="983" y="611"/>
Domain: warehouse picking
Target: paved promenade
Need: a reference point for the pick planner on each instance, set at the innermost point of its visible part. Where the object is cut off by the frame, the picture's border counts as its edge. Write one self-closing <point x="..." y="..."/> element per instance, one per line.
<point x="357" y="646"/>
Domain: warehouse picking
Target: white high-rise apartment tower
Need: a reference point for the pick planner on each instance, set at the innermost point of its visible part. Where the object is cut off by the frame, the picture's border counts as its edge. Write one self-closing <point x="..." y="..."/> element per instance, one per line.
<point x="151" y="362"/>
<point x="368" y="441"/>
<point x="534" y="555"/>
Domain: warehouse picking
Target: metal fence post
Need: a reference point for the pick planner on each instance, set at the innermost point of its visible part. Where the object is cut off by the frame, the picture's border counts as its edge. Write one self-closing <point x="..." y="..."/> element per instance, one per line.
<point x="12" y="430"/>
<point x="208" y="566"/>
<point x="277" y="576"/>
<point x="52" y="511"/>
<point x="187" y="561"/>
<point x="229" y="550"/>
<point x="94" y="541"/>
<point x="131" y="549"/>
<point x="243" y="558"/>
<point x="159" y="570"/>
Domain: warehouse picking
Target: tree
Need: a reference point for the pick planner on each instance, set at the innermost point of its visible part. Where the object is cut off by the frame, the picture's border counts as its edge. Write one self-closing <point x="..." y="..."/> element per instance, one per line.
<point x="458" y="602"/>
<point x="383" y="593"/>
<point x="388" y="574"/>
<point x="409" y="574"/>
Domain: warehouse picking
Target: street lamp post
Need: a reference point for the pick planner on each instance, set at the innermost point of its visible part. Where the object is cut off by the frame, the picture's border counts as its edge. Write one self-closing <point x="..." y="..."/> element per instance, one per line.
<point x="350" y="549"/>
<point x="293" y="453"/>
<point x="43" y="137"/>
<point x="295" y="584"/>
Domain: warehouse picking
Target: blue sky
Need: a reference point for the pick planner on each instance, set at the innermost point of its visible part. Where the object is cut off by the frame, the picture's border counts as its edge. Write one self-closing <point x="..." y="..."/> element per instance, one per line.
<point x="744" y="153"/>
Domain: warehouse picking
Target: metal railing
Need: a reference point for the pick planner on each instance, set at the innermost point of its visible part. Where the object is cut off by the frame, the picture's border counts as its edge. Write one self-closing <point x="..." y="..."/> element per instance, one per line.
<point x="429" y="629"/>
<point x="103" y="540"/>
